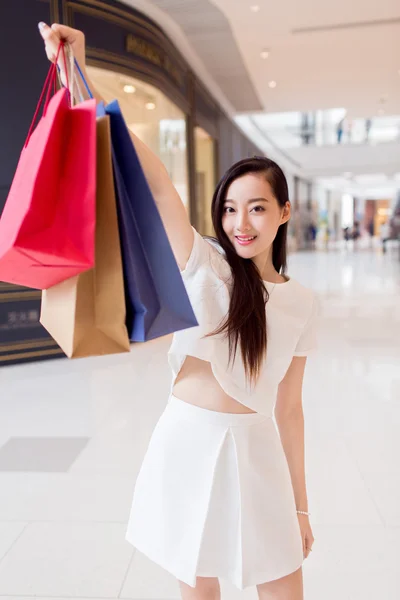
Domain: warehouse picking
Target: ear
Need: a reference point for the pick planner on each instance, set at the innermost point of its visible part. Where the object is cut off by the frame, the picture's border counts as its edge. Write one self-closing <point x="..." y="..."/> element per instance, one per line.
<point x="286" y="213"/>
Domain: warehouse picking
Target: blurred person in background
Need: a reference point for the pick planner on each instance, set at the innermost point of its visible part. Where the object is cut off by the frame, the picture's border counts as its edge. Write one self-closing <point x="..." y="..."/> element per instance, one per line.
<point x="368" y="125"/>
<point x="339" y="130"/>
<point x="385" y="234"/>
<point x="356" y="232"/>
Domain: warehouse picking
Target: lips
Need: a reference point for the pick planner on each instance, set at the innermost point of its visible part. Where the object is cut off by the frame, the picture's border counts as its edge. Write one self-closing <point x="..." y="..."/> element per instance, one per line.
<point x="245" y="240"/>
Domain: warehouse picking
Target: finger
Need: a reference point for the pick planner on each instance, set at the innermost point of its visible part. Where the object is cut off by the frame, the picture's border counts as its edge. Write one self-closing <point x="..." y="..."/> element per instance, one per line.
<point x="49" y="35"/>
<point x="50" y="54"/>
<point x="65" y="33"/>
<point x="309" y="544"/>
<point x="306" y="549"/>
<point x="51" y="40"/>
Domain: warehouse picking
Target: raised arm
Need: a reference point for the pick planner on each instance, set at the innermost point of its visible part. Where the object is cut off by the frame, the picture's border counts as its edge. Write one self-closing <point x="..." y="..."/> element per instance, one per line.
<point x="169" y="203"/>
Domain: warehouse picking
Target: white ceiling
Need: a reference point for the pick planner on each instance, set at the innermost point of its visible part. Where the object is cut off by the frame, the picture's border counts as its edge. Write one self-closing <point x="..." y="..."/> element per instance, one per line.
<point x="376" y="186"/>
<point x="323" y="54"/>
<point x="202" y="34"/>
<point x="210" y="35"/>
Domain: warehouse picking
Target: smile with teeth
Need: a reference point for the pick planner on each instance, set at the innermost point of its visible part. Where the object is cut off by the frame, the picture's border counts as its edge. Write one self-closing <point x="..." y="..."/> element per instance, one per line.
<point x="245" y="239"/>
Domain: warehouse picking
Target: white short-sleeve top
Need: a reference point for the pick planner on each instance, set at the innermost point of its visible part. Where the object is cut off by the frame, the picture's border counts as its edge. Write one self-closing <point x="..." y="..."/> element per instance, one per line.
<point x="291" y="328"/>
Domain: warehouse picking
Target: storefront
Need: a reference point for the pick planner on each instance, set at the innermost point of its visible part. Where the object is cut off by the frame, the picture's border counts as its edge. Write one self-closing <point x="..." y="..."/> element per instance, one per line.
<point x="376" y="213"/>
<point x="153" y="117"/>
<point x="206" y="116"/>
<point x="205" y="179"/>
<point x="131" y="59"/>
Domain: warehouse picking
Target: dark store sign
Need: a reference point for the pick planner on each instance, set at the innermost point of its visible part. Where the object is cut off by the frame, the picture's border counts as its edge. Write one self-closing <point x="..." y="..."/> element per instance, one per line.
<point x="20" y="319"/>
<point x="151" y="53"/>
<point x="22" y="337"/>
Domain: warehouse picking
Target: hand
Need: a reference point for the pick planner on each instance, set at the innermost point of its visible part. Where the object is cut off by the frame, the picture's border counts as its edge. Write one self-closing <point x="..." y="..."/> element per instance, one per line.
<point x="306" y="534"/>
<point x="52" y="37"/>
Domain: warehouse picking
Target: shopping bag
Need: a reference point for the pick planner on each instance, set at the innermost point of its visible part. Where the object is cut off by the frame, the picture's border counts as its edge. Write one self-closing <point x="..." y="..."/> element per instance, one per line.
<point x="156" y="299"/>
<point x="86" y="314"/>
<point x="47" y="225"/>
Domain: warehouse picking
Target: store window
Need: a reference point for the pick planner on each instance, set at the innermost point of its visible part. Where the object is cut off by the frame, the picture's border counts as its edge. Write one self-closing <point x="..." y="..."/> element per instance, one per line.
<point x="205" y="180"/>
<point x="153" y="117"/>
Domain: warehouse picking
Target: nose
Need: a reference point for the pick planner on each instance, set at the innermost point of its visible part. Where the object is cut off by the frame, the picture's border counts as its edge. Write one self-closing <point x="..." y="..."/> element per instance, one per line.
<point x="242" y="222"/>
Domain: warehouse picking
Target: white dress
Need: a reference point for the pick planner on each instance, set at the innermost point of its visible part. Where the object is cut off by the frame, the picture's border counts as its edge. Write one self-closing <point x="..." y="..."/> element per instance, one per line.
<point x="214" y="497"/>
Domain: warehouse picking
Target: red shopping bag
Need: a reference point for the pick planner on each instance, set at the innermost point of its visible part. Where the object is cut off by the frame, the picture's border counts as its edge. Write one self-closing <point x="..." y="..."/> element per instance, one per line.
<point x="48" y="223"/>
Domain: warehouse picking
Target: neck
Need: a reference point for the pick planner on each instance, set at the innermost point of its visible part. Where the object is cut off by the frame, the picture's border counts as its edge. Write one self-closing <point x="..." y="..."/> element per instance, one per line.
<point x="265" y="265"/>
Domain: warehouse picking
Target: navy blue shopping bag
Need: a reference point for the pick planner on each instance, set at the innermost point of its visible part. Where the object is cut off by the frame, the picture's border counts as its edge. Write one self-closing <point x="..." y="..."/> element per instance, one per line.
<point x="156" y="299"/>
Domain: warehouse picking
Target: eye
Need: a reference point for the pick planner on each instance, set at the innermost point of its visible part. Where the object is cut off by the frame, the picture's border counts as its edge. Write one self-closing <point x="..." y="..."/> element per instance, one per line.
<point x="259" y="209"/>
<point x="227" y="210"/>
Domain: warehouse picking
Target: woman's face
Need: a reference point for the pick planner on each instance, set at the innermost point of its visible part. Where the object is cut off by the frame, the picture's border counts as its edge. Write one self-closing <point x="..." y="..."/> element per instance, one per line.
<point x="252" y="215"/>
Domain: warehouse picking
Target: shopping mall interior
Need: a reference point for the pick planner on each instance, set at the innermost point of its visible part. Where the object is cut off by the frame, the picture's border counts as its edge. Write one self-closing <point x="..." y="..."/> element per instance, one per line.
<point x="205" y="83"/>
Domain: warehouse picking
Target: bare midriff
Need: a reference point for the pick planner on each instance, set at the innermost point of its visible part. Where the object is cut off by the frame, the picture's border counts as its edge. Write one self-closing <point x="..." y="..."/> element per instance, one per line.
<point x="196" y="384"/>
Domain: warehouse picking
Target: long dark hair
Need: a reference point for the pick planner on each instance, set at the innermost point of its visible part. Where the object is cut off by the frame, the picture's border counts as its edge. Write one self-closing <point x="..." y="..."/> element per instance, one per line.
<point x="246" y="323"/>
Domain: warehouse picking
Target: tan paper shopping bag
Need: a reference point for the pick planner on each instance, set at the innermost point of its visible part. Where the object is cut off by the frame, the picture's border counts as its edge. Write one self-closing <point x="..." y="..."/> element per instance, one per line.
<point x="86" y="314"/>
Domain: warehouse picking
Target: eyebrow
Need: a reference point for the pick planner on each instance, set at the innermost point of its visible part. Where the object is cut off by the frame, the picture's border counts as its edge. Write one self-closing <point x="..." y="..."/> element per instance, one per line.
<point x="251" y="201"/>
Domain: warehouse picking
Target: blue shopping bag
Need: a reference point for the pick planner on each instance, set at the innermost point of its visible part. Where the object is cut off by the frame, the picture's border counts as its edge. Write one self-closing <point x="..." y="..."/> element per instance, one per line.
<point x="156" y="299"/>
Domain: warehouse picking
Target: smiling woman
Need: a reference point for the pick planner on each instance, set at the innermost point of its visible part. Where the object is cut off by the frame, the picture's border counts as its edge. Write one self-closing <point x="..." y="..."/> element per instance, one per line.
<point x="255" y="221"/>
<point x="246" y="212"/>
<point x="222" y="488"/>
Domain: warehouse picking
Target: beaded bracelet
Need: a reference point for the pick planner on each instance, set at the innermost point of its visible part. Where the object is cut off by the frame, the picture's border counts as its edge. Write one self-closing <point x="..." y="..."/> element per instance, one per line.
<point x="303" y="512"/>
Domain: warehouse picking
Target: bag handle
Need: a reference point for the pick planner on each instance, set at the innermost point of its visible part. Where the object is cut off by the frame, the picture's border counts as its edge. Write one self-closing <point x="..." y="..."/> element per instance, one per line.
<point x="83" y="79"/>
<point x="75" y="80"/>
<point x="74" y="88"/>
<point x="49" y="83"/>
<point x="69" y="74"/>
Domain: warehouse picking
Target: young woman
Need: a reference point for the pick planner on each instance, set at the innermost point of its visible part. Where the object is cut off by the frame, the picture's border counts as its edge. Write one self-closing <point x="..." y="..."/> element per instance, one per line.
<point x="222" y="492"/>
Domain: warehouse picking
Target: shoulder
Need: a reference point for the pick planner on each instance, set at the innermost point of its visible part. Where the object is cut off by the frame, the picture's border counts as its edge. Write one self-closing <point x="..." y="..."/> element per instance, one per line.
<point x="304" y="298"/>
<point x="207" y="254"/>
<point x="218" y="260"/>
<point x="301" y="290"/>
<point x="215" y="246"/>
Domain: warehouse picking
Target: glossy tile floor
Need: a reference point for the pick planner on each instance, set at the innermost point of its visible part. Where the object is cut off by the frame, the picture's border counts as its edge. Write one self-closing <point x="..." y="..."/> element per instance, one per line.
<point x="73" y="434"/>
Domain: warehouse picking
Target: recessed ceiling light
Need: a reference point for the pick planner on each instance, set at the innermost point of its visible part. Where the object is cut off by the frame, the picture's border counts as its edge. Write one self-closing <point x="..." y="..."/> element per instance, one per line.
<point x="381" y="112"/>
<point x="129" y="89"/>
<point x="255" y="8"/>
<point x="150" y="105"/>
<point x="264" y="54"/>
<point x="272" y="84"/>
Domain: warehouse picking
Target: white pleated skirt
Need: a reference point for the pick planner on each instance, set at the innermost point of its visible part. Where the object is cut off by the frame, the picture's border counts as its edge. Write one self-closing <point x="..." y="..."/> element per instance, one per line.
<point x="214" y="498"/>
